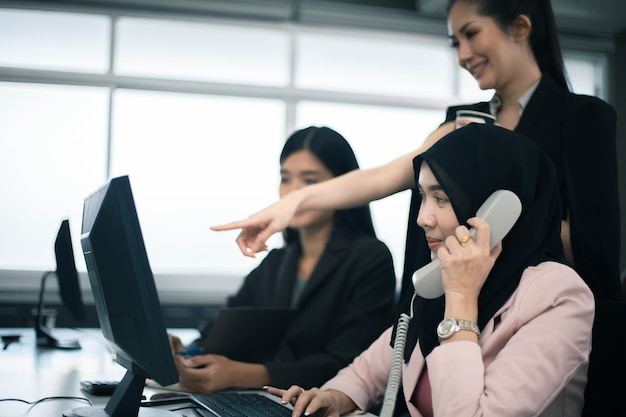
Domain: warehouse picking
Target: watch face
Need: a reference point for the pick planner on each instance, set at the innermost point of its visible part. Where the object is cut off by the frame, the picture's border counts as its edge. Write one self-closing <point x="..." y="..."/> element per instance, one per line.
<point x="446" y="328"/>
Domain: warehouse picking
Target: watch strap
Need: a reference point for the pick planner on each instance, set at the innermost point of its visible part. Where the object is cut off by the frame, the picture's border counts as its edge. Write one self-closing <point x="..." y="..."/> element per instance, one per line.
<point x="468" y="325"/>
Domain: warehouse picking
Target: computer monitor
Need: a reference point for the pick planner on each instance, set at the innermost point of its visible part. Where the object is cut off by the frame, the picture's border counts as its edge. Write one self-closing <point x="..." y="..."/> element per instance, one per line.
<point x="126" y="299"/>
<point x="69" y="290"/>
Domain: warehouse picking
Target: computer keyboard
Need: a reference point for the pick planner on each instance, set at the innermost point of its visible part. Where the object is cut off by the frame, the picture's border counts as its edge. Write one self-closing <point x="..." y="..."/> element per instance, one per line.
<point x="236" y="404"/>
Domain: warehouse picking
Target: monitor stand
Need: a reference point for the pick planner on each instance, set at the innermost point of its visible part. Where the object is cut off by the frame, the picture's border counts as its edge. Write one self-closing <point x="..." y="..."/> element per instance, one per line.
<point x="125" y="402"/>
<point x="43" y="334"/>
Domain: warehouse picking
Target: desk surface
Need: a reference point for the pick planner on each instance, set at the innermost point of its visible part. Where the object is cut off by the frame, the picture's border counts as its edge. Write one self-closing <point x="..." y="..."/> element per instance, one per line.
<point x="30" y="373"/>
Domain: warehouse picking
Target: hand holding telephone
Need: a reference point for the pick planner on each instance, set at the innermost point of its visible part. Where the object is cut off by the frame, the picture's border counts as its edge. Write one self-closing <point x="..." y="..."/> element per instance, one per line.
<point x="501" y="210"/>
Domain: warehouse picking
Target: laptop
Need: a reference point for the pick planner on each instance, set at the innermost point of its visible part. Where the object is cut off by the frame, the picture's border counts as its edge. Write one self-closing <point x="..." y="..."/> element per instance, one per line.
<point x="249" y="334"/>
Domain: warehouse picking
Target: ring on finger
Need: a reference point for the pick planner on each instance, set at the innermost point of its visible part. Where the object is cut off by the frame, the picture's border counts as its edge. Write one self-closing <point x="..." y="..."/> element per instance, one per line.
<point x="464" y="239"/>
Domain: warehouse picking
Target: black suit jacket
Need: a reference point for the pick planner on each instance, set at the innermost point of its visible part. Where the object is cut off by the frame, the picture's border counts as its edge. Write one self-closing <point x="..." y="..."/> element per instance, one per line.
<point x="347" y="303"/>
<point x="578" y="133"/>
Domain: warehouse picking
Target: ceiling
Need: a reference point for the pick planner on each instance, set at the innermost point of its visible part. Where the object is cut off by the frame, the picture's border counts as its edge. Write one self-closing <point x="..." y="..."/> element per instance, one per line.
<point x="600" y="18"/>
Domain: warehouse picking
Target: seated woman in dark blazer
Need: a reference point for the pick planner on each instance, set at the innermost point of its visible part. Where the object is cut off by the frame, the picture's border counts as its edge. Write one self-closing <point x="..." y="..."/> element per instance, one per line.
<point x="332" y="269"/>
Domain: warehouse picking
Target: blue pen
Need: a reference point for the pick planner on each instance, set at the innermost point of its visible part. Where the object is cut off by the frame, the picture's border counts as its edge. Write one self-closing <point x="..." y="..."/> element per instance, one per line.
<point x="190" y="352"/>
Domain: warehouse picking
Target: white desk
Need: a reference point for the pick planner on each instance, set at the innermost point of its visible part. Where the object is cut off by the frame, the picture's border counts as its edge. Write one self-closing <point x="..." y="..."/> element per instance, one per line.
<point x="30" y="373"/>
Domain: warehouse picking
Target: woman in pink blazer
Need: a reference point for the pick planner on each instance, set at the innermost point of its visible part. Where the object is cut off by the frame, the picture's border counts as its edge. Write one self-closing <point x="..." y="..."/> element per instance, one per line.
<point x="511" y="335"/>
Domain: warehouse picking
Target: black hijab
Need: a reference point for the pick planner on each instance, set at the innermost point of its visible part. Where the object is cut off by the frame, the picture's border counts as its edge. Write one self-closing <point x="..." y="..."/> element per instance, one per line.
<point x="470" y="164"/>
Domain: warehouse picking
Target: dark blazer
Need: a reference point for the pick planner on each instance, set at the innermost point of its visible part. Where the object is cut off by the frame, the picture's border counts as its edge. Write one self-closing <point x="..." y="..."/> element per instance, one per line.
<point x="578" y="133"/>
<point x="347" y="303"/>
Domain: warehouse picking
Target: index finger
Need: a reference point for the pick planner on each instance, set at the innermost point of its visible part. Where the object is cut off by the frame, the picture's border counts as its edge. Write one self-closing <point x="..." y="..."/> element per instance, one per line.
<point x="252" y="237"/>
<point x="240" y="224"/>
<point x="274" y="391"/>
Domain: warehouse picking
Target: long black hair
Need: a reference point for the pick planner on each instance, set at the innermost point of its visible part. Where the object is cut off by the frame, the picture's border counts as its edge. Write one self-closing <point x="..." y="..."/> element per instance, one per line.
<point x="544" y="39"/>
<point x="334" y="151"/>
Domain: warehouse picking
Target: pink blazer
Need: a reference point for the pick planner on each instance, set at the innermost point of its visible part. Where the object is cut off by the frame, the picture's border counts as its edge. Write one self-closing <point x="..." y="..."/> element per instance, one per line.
<point x="534" y="363"/>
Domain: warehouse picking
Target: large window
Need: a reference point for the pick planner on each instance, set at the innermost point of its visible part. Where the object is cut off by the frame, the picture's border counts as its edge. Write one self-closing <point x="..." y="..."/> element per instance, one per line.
<point x="54" y="41"/>
<point x="195" y="161"/>
<point x="201" y="52"/>
<point x="52" y="154"/>
<point x="195" y="112"/>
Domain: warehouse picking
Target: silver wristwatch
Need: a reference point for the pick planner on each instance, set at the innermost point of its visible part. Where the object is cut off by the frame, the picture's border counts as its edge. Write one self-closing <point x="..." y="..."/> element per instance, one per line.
<point x="449" y="326"/>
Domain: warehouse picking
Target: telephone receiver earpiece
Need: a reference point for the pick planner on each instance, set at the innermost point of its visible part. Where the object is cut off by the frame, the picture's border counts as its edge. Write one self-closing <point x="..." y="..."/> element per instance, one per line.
<point x="501" y="210"/>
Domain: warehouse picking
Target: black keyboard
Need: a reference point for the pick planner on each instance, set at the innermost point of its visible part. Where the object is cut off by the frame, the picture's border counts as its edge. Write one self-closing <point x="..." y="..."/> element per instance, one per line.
<point x="235" y="404"/>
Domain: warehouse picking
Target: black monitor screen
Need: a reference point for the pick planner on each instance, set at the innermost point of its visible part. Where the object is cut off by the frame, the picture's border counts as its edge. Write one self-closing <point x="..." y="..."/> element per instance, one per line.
<point x="125" y="295"/>
<point x="69" y="290"/>
<point x="69" y="286"/>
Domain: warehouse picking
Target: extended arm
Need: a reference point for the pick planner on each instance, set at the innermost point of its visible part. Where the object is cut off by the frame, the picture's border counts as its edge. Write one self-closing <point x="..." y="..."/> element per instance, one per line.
<point x="353" y="189"/>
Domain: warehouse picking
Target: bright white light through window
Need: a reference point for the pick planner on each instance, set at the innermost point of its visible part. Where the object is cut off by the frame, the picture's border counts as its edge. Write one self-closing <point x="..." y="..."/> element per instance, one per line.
<point x="54" y="41"/>
<point x="202" y="52"/>
<point x="196" y="161"/>
<point x="52" y="143"/>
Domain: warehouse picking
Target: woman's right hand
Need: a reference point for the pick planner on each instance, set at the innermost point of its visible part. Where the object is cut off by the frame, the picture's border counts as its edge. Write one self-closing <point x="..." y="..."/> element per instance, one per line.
<point x="322" y="403"/>
<point x="256" y="229"/>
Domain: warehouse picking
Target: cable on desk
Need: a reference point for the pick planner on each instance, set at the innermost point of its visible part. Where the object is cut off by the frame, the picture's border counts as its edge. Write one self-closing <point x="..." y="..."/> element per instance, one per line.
<point x="34" y="403"/>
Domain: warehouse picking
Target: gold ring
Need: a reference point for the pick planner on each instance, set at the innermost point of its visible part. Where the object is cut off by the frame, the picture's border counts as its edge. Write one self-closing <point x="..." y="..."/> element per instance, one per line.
<point x="464" y="239"/>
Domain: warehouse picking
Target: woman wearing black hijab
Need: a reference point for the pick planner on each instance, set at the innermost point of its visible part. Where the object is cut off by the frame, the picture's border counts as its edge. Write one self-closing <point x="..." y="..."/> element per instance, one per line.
<point x="525" y="316"/>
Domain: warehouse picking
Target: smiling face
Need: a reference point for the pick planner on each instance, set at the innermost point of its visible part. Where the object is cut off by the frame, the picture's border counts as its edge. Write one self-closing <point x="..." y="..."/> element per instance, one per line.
<point x="436" y="215"/>
<point x="491" y="55"/>
<point x="298" y="170"/>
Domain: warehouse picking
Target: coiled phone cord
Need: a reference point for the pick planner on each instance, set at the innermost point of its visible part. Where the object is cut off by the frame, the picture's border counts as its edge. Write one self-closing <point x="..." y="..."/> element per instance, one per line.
<point x="395" y="374"/>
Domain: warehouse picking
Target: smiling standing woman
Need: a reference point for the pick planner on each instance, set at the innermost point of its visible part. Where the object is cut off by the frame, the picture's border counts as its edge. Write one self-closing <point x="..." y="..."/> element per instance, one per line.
<point x="512" y="47"/>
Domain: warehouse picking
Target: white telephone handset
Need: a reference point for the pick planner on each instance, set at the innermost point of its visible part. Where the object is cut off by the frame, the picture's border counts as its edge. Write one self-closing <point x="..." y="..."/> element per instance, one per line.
<point x="501" y="210"/>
